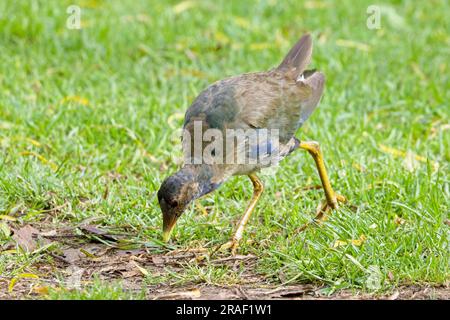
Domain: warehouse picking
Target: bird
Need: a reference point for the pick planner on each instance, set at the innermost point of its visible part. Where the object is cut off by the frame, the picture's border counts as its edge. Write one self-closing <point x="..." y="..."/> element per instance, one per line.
<point x="278" y="101"/>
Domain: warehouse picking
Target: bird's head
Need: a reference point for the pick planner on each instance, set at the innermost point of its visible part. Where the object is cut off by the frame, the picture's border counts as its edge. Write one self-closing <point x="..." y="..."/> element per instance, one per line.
<point x="179" y="190"/>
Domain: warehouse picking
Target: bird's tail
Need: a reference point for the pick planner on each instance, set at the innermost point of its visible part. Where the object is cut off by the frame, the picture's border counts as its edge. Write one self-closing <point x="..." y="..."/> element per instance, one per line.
<point x="298" y="58"/>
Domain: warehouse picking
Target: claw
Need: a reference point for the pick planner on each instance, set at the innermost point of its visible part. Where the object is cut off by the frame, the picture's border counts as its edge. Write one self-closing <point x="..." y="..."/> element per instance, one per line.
<point x="232" y="244"/>
<point x="322" y="209"/>
<point x="326" y="207"/>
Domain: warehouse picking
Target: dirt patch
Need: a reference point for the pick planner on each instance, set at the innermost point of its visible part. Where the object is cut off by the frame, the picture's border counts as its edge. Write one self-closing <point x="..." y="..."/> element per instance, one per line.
<point x="71" y="257"/>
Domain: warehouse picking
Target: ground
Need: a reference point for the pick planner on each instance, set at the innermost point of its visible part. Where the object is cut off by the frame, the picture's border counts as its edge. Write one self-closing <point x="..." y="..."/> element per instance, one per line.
<point x="88" y="131"/>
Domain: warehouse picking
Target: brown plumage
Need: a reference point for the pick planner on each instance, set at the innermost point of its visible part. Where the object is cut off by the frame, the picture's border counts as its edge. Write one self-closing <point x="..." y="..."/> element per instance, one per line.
<point x="282" y="99"/>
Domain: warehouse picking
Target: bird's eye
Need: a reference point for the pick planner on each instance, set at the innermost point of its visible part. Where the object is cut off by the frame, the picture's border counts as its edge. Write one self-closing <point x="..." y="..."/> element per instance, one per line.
<point x="174" y="203"/>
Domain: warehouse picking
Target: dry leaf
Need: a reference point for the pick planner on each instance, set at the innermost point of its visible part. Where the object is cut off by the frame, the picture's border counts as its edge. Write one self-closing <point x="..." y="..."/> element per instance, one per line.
<point x="339" y="243"/>
<point x="410" y="155"/>
<point x="41" y="290"/>
<point x="399" y="221"/>
<point x="14" y="280"/>
<point x="7" y="218"/>
<point x="41" y="158"/>
<point x="77" y="99"/>
<point x="24" y="238"/>
<point x="355" y="242"/>
<point x="142" y="270"/>
<point x="360" y="241"/>
<point x="72" y="255"/>
<point x="158" y="261"/>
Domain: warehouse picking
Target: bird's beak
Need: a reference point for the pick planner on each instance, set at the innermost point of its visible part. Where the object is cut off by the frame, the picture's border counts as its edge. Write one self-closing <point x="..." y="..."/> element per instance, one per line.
<point x="169" y="221"/>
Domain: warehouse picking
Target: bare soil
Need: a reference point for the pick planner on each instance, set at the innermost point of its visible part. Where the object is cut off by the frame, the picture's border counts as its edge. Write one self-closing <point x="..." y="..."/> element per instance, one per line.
<point x="86" y="251"/>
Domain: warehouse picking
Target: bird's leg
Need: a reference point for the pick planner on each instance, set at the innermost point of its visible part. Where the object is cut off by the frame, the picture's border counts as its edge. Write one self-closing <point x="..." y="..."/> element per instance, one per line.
<point x="332" y="199"/>
<point x="258" y="188"/>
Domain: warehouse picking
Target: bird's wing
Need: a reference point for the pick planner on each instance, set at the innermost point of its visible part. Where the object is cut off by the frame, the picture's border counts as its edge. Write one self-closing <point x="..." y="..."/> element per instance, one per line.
<point x="281" y="99"/>
<point x="273" y="101"/>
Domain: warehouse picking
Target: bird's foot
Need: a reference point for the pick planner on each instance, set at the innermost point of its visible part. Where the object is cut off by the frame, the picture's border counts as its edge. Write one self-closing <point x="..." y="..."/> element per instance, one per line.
<point x="231" y="245"/>
<point x="323" y="209"/>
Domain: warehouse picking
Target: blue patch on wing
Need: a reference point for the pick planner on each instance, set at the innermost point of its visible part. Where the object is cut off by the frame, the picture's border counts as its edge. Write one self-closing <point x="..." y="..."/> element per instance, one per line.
<point x="264" y="147"/>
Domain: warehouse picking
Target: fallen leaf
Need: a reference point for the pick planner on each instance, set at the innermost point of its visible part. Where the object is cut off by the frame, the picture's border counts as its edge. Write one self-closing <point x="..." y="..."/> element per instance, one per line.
<point x="399" y="221"/>
<point x="142" y="270"/>
<point x="41" y="158"/>
<point x="41" y="290"/>
<point x="24" y="238"/>
<point x="360" y="241"/>
<point x="355" y="242"/>
<point x="7" y="218"/>
<point x="14" y="280"/>
<point x="72" y="255"/>
<point x="158" y="261"/>
<point x="12" y="251"/>
<point x="339" y="243"/>
<point x="409" y="154"/>
<point x="77" y="99"/>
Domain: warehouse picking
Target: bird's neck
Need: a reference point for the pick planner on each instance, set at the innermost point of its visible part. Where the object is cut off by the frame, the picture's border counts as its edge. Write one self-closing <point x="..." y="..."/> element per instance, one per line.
<point x="202" y="178"/>
<point x="206" y="187"/>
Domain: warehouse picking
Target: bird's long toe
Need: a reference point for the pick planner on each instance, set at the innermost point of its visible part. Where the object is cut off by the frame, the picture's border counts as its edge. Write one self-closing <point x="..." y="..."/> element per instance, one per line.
<point x="231" y="246"/>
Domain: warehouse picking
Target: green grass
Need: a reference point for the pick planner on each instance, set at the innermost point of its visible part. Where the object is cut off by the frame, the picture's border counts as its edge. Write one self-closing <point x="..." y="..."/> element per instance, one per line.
<point x="135" y="67"/>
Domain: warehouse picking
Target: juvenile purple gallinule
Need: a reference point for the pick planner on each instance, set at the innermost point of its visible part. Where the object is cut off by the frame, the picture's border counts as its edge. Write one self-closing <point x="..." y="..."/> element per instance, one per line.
<point x="280" y="101"/>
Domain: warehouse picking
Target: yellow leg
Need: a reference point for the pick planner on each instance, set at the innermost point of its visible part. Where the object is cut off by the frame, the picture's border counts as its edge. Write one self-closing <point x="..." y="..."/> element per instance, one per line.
<point x="332" y="199"/>
<point x="258" y="188"/>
